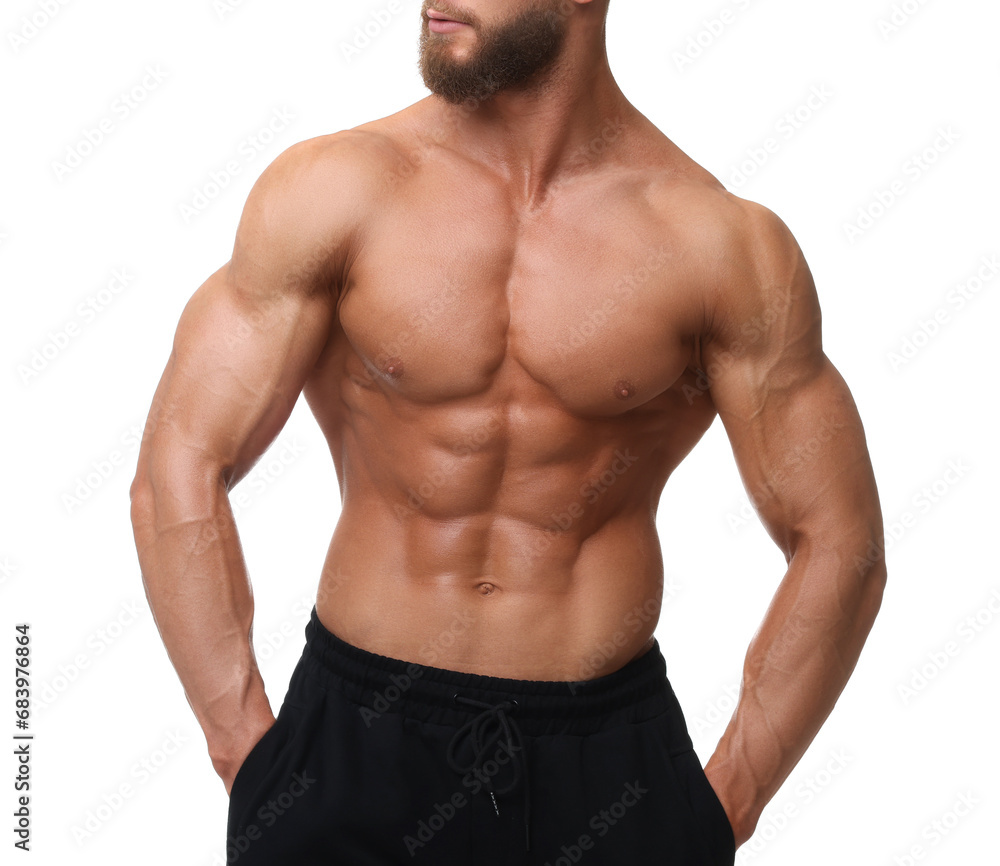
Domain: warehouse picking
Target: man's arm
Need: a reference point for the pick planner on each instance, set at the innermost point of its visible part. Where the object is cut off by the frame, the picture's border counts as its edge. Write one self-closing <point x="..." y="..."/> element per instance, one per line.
<point x="801" y="452"/>
<point x="244" y="347"/>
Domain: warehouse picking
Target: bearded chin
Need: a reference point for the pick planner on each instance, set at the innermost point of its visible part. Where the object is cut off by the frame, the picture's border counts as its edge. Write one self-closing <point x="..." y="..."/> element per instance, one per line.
<point x="509" y="56"/>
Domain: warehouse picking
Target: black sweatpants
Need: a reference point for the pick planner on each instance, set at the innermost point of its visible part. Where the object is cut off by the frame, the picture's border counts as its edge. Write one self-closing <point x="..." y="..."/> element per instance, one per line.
<point x="375" y="761"/>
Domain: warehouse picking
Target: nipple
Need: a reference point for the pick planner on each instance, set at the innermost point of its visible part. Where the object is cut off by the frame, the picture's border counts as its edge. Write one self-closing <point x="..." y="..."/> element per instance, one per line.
<point x="624" y="389"/>
<point x="394" y="367"/>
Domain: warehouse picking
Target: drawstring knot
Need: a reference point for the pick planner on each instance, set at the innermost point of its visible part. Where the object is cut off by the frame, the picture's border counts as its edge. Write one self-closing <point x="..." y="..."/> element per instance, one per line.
<point x="492" y="734"/>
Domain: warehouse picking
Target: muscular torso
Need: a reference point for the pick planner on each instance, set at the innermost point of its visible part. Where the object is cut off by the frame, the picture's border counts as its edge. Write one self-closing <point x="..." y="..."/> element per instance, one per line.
<point x="504" y="396"/>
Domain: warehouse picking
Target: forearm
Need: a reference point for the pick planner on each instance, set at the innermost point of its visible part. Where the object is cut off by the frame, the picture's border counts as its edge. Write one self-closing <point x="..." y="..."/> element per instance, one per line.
<point x="197" y="585"/>
<point x="796" y="668"/>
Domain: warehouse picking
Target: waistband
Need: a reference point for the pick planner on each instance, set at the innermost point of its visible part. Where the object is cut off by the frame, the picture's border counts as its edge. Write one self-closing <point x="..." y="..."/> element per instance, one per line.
<point x="635" y="693"/>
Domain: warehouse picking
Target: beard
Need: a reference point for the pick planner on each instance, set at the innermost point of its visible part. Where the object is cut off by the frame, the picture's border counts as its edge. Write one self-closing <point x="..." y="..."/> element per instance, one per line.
<point x="508" y="55"/>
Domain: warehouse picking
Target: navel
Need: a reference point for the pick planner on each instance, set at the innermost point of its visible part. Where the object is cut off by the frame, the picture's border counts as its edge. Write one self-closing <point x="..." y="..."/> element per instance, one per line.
<point x="624" y="390"/>
<point x="486" y="588"/>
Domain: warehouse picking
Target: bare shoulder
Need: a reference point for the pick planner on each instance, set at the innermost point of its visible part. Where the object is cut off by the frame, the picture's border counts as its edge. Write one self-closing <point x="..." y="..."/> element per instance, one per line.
<point x="761" y="305"/>
<point x="329" y="175"/>
<point x="762" y="276"/>
<point x="741" y="252"/>
<point x="306" y="214"/>
<point x="716" y="225"/>
<point x="413" y="137"/>
<point x="739" y="260"/>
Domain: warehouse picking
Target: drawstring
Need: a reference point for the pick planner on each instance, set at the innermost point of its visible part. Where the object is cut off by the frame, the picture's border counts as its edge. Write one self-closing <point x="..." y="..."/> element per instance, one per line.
<point x="484" y="732"/>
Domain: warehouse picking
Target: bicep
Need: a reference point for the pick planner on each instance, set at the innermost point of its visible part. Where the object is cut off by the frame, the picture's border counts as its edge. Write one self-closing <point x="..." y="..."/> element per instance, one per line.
<point x="794" y="427"/>
<point x="251" y="334"/>
<point x="239" y="361"/>
<point x="804" y="461"/>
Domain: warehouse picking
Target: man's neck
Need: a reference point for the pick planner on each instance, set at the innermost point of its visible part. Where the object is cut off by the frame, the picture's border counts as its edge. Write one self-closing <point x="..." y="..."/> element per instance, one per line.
<point x="532" y="135"/>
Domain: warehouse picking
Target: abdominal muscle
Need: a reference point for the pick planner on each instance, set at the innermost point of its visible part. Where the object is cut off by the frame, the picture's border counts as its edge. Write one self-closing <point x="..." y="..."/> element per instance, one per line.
<point x="514" y="559"/>
<point x="427" y="593"/>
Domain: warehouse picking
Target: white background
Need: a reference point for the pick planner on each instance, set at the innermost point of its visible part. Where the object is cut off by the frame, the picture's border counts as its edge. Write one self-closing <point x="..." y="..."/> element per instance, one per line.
<point x="887" y="765"/>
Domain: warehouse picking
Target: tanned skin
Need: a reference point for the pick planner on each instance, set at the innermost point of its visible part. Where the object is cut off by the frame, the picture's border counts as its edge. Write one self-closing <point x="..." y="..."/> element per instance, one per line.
<point x="512" y="321"/>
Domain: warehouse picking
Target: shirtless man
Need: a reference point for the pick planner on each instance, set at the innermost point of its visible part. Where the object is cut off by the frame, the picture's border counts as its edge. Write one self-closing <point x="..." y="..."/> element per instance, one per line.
<point x="513" y="307"/>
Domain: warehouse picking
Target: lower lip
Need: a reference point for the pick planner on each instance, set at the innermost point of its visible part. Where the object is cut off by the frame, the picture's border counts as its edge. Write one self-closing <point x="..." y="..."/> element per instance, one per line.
<point x="437" y="25"/>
